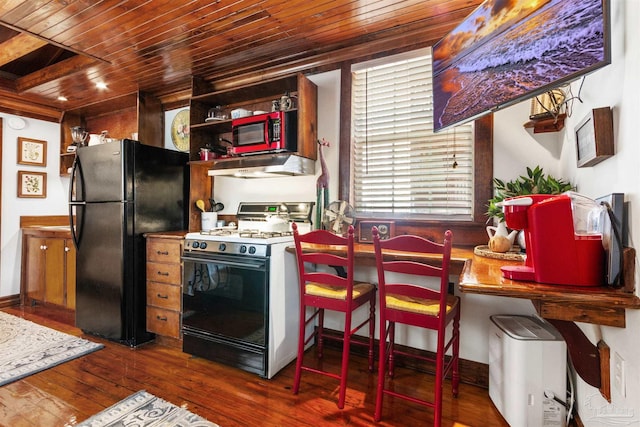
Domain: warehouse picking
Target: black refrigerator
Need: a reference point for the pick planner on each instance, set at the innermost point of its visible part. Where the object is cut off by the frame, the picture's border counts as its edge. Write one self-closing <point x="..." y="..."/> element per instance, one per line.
<point x="119" y="191"/>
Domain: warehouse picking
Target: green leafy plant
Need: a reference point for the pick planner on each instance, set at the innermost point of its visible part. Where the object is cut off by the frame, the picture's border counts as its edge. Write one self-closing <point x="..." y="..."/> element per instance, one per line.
<point x="536" y="182"/>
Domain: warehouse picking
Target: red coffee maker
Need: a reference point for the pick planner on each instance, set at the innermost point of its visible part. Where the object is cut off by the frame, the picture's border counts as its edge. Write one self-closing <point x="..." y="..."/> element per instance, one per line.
<point x="563" y="244"/>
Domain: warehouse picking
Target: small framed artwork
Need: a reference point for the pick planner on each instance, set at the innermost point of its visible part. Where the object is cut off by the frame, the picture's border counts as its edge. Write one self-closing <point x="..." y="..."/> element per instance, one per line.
<point x="594" y="137"/>
<point x="32" y="184"/>
<point x="32" y="152"/>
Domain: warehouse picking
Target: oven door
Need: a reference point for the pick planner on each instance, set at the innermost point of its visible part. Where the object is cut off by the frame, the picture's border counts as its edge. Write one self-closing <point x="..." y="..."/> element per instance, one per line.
<point x="225" y="309"/>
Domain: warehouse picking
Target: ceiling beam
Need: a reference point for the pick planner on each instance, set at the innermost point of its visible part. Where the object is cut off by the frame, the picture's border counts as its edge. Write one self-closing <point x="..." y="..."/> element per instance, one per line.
<point x="52" y="72"/>
<point x="19" y="46"/>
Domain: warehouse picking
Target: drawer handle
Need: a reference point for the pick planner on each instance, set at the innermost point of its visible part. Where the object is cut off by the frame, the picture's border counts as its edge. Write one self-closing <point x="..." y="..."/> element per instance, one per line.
<point x="162" y="253"/>
<point x="161" y="273"/>
<point x="161" y="318"/>
<point x="163" y="296"/>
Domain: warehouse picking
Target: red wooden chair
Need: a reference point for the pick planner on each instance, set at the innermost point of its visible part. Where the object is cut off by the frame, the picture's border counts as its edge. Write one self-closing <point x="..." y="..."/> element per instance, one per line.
<point x="323" y="286"/>
<point x="417" y="305"/>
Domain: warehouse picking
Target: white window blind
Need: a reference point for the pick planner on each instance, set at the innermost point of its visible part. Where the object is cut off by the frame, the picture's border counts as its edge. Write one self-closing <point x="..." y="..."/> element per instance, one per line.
<point x="399" y="166"/>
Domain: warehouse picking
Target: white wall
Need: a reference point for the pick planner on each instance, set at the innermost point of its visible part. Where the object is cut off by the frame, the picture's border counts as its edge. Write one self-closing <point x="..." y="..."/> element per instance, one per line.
<point x="617" y="86"/>
<point x="13" y="207"/>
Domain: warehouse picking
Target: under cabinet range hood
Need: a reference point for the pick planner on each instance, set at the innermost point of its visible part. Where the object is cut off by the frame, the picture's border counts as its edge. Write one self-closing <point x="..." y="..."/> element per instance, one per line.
<point x="264" y="166"/>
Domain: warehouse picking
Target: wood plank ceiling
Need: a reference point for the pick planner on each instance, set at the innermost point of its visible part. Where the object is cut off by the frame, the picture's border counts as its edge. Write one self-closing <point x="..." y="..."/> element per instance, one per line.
<point x="57" y="48"/>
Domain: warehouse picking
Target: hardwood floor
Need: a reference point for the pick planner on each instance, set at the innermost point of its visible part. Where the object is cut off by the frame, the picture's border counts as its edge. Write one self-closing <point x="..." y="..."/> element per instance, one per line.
<point x="71" y="392"/>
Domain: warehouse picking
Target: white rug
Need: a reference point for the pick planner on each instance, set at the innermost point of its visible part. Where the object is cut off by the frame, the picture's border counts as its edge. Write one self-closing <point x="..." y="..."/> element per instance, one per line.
<point x="143" y="409"/>
<point x="27" y="348"/>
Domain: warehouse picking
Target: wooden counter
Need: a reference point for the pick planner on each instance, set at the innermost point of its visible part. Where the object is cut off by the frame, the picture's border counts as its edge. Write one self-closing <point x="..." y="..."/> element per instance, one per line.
<point x="366" y="256"/>
<point x="600" y="305"/>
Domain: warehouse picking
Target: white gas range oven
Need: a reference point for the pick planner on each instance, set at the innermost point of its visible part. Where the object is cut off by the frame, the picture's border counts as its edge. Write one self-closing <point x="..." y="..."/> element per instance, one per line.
<point x="240" y="300"/>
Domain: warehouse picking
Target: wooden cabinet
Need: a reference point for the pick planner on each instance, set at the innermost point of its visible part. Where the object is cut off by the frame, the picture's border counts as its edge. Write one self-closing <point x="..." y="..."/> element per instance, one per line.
<point x="164" y="278"/>
<point x="257" y="96"/>
<point x="48" y="267"/>
<point x="138" y="112"/>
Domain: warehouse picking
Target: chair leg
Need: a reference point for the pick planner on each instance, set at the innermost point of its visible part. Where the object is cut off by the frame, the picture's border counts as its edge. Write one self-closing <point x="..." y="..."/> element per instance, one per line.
<point x="320" y="332"/>
<point x="382" y="365"/>
<point x="301" y="339"/>
<point x="455" y="375"/>
<point x="372" y="328"/>
<point x="392" y="338"/>
<point x="344" y="369"/>
<point x="440" y="363"/>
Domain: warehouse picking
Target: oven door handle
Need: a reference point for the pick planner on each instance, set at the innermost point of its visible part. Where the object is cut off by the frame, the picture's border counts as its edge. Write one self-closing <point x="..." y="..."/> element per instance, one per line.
<point x="252" y="264"/>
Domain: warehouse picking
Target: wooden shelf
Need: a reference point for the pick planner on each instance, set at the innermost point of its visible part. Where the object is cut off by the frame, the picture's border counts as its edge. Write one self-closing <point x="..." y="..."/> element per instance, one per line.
<point x="122" y="116"/>
<point x="549" y="124"/>
<point x="600" y="305"/>
<point x="256" y="96"/>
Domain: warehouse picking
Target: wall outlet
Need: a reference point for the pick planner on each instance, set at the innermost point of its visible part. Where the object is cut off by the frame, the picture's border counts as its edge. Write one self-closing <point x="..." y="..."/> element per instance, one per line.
<point x="619" y="375"/>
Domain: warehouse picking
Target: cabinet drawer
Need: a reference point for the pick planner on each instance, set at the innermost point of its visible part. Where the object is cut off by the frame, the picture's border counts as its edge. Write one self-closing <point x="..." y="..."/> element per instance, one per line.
<point x="162" y="250"/>
<point x="164" y="273"/>
<point x="163" y="296"/>
<point x="163" y="322"/>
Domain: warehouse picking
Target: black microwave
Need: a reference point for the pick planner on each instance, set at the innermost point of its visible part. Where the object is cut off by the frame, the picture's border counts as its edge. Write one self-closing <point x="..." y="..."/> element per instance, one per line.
<point x="273" y="132"/>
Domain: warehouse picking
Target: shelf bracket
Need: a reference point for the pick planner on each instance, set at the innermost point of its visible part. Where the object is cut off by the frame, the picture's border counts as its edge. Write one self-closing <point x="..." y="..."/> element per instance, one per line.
<point x="590" y="361"/>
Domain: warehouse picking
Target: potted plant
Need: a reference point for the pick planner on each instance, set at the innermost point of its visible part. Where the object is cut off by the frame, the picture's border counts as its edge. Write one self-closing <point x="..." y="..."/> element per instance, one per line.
<point x="536" y="182"/>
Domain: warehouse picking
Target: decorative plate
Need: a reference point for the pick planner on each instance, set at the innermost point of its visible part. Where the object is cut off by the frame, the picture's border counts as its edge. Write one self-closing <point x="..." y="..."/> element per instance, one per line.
<point x="180" y="130"/>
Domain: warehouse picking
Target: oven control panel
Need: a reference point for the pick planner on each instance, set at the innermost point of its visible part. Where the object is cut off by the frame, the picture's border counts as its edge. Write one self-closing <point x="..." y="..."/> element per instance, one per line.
<point x="232" y="248"/>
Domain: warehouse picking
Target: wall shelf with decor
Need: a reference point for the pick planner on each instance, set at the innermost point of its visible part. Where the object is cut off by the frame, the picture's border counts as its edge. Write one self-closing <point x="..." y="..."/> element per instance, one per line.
<point x="548" y="124"/>
<point x="214" y="134"/>
<point x="122" y="117"/>
<point x="254" y="97"/>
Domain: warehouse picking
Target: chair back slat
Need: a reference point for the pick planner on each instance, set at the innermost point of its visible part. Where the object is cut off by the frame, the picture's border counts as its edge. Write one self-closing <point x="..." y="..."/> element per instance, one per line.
<point x="411" y="290"/>
<point x="324" y="258"/>
<point x="327" y="279"/>
<point x="411" y="243"/>
<point x="412" y="267"/>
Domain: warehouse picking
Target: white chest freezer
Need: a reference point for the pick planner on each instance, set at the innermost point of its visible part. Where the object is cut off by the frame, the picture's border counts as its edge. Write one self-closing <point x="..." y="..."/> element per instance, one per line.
<point x="527" y="357"/>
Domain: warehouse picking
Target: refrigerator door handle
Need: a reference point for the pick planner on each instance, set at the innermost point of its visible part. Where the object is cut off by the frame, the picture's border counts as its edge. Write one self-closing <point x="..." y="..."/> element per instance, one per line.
<point x="74" y="203"/>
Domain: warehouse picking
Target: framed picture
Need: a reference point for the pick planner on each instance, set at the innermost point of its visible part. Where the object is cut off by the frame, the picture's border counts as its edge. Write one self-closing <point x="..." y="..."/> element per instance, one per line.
<point x="594" y="137"/>
<point x="32" y="152"/>
<point x="32" y="184"/>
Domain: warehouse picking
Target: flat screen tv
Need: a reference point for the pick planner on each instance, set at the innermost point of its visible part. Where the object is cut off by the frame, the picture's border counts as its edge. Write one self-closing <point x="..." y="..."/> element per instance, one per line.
<point x="509" y="50"/>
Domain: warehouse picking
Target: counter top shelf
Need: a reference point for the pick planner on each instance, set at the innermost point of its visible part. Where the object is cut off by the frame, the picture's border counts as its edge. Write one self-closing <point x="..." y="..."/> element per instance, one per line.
<point x="599" y="305"/>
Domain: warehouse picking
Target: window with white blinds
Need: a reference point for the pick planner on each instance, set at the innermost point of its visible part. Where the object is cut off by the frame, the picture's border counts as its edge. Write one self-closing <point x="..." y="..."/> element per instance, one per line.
<point x="399" y="166"/>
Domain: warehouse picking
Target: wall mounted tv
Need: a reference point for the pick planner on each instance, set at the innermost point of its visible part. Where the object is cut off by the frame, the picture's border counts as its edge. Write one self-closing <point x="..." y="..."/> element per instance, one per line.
<point x="509" y="50"/>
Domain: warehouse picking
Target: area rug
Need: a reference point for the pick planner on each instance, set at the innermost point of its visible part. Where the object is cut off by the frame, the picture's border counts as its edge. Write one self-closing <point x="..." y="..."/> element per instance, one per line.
<point x="27" y="348"/>
<point x="143" y="409"/>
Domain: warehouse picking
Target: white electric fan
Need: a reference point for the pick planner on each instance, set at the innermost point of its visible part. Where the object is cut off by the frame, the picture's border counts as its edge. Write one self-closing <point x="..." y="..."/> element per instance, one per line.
<point x="338" y="216"/>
